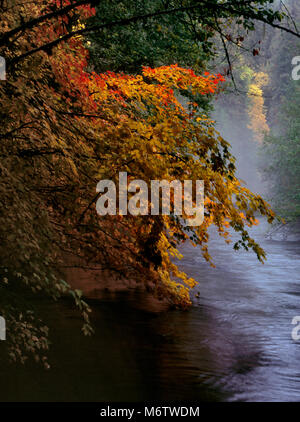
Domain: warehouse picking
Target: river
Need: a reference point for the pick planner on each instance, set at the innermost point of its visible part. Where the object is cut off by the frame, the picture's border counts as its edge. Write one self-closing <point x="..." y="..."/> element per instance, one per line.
<point x="234" y="344"/>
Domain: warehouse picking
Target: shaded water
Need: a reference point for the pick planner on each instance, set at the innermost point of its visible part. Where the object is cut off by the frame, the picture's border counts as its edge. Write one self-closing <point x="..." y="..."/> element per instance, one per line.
<point x="234" y="344"/>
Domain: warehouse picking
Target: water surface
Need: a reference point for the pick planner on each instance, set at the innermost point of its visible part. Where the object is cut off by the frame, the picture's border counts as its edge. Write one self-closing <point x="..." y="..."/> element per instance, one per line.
<point x="234" y="344"/>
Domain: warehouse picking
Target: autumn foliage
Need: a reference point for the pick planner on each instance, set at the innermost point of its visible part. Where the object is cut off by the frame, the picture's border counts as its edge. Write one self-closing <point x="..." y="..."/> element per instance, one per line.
<point x="65" y="127"/>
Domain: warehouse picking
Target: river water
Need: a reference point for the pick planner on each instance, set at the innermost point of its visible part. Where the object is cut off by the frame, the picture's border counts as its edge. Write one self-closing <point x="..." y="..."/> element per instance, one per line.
<point x="234" y="344"/>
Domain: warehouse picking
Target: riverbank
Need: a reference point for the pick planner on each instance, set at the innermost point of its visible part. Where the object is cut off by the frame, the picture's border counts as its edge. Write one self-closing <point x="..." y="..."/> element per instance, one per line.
<point x="102" y="285"/>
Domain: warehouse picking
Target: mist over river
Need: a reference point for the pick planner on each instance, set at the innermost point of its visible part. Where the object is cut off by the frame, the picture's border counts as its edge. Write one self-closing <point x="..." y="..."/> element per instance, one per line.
<point x="234" y="344"/>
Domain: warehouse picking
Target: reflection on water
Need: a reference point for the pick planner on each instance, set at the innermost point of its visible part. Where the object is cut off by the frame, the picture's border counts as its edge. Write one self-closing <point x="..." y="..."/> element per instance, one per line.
<point x="234" y="344"/>
<point x="251" y="307"/>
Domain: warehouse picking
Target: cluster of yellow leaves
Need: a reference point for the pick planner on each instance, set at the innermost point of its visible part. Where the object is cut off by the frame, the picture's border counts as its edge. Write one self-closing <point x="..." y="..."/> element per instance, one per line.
<point x="257" y="113"/>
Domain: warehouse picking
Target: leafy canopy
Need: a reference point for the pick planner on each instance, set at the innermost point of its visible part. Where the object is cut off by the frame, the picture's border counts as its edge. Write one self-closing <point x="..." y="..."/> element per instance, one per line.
<point x="63" y="129"/>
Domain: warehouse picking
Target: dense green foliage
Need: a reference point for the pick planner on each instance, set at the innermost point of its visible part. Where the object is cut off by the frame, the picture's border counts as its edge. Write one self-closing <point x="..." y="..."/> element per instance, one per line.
<point x="169" y="31"/>
<point x="161" y="40"/>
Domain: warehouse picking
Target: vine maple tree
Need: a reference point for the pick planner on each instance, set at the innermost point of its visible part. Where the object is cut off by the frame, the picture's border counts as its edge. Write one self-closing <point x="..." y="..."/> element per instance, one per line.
<point x="63" y="129"/>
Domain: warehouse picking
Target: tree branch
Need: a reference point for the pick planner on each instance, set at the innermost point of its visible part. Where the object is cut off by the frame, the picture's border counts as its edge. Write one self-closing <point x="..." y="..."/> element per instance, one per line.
<point x="33" y="22"/>
<point x="225" y="8"/>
